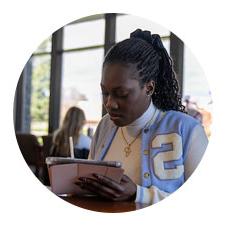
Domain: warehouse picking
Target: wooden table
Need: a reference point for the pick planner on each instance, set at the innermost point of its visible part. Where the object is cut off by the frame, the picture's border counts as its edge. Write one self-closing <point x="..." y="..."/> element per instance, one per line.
<point x="100" y="205"/>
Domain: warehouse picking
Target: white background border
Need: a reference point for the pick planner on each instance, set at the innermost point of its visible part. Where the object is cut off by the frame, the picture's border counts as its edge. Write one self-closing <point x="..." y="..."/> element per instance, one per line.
<point x="25" y="24"/>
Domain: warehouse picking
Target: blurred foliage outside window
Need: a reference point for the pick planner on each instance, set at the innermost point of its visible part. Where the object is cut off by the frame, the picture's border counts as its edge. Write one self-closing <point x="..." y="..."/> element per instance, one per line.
<point x="40" y="85"/>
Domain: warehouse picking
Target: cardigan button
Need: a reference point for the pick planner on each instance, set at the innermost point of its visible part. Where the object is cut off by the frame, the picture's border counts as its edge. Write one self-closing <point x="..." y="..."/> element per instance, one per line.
<point x="146" y="175"/>
<point x="146" y="130"/>
<point x="146" y="152"/>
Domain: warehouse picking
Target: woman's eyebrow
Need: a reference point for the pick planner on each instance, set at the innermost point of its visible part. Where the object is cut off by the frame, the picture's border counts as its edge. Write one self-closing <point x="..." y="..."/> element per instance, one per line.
<point x="121" y="88"/>
<point x="116" y="88"/>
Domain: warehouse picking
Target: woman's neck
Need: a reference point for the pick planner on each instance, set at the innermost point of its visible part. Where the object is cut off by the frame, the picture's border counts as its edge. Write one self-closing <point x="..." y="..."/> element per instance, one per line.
<point x="134" y="127"/>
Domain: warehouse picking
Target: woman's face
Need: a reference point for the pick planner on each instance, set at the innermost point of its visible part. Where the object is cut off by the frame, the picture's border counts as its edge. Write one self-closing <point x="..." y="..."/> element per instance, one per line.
<point x="123" y="98"/>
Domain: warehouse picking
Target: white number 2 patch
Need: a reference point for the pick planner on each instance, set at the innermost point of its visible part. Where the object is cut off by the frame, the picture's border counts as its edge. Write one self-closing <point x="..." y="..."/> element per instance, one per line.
<point x="171" y="155"/>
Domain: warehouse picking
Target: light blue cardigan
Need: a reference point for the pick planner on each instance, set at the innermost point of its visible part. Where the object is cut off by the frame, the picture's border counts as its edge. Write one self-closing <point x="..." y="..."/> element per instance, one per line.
<point x="167" y="140"/>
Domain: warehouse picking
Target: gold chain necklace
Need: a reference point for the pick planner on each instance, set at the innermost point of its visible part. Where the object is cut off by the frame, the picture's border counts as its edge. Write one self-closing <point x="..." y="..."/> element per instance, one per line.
<point x="127" y="149"/>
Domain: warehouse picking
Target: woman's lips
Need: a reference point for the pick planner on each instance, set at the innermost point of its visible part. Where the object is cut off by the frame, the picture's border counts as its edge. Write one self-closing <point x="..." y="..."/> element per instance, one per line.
<point x="115" y="116"/>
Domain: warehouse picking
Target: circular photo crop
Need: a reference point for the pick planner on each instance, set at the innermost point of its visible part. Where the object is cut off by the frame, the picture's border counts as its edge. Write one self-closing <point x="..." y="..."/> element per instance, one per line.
<point x="112" y="113"/>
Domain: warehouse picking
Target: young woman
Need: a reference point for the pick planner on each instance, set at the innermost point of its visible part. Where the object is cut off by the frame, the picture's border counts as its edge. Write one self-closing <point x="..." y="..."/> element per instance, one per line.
<point x="146" y="127"/>
<point x="71" y="127"/>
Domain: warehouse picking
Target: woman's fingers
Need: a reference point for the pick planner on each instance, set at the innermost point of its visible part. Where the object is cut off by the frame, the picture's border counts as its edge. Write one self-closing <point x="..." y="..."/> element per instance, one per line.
<point x="98" y="187"/>
<point x="102" y="194"/>
<point x="109" y="182"/>
<point x="108" y="188"/>
<point x="125" y="179"/>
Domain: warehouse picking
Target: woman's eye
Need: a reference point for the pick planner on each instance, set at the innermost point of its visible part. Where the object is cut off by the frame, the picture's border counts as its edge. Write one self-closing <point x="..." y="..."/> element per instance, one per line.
<point x="122" y="95"/>
<point x="115" y="95"/>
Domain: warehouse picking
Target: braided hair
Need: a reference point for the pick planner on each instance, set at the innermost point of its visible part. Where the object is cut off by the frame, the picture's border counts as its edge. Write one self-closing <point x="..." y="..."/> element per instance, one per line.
<point x="152" y="62"/>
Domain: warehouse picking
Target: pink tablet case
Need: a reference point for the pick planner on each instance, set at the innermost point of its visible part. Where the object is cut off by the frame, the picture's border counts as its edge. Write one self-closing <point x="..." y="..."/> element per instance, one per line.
<point x="63" y="176"/>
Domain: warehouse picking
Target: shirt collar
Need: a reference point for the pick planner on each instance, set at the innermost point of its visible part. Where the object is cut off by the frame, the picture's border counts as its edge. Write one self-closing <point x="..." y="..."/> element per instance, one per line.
<point x="134" y="127"/>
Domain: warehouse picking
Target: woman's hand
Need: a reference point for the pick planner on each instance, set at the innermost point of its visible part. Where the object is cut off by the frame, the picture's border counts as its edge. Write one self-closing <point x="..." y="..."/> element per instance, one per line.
<point x="108" y="188"/>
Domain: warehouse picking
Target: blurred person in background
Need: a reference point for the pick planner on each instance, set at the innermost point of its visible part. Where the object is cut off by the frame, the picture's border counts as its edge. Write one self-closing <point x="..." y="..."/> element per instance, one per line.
<point x="192" y="108"/>
<point x="72" y="126"/>
<point x="199" y="113"/>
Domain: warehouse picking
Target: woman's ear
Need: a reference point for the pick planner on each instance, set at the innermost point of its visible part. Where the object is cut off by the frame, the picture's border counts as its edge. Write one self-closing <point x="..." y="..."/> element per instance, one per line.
<point x="150" y="87"/>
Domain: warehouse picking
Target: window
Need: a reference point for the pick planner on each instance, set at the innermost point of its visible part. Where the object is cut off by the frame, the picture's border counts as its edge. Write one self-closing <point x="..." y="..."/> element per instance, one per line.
<point x="84" y="34"/>
<point x="193" y="77"/>
<point x="81" y="71"/>
<point x="128" y="23"/>
<point x="81" y="83"/>
<point x="196" y="90"/>
<point x="40" y="83"/>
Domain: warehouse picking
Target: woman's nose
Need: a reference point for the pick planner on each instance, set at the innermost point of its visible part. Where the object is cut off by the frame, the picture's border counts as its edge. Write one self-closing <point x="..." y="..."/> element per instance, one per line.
<point x="111" y="103"/>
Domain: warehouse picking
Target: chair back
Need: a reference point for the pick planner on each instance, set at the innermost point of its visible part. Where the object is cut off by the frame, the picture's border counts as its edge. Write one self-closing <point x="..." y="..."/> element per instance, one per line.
<point x="30" y="148"/>
<point x="81" y="153"/>
<point x="47" y="144"/>
<point x="47" y="149"/>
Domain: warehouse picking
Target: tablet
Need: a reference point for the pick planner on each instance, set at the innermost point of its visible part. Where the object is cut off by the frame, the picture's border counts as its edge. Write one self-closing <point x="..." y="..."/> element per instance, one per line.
<point x="64" y="172"/>
<point x="62" y="160"/>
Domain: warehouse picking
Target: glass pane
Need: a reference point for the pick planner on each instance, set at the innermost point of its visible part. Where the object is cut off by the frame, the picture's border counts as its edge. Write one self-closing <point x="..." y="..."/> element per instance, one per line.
<point x="126" y="24"/>
<point x="81" y="84"/>
<point x="196" y="89"/>
<point x="40" y="94"/>
<point x="45" y="46"/>
<point x="166" y="43"/>
<point x="84" y="34"/>
<point x="195" y="82"/>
